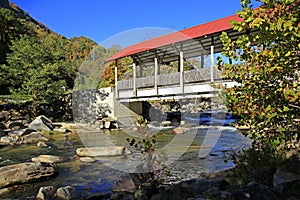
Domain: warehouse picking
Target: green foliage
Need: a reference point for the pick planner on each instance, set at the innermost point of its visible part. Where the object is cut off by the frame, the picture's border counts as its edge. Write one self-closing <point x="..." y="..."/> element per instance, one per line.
<point x="151" y="165"/>
<point x="267" y="97"/>
<point x="11" y="27"/>
<point x="37" y="63"/>
<point x="108" y="75"/>
<point x="253" y="165"/>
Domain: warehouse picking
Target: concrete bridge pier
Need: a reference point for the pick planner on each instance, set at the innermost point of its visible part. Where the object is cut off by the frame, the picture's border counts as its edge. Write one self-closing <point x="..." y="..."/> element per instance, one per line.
<point x="127" y="112"/>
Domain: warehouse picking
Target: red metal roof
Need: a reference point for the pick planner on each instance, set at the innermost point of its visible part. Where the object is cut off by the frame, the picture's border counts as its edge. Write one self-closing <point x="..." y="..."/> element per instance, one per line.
<point x="172" y="38"/>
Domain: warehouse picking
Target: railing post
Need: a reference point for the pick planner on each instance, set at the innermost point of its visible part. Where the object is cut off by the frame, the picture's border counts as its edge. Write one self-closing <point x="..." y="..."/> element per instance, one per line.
<point x="156" y="75"/>
<point x="116" y="80"/>
<point x="134" y="79"/>
<point x="212" y="65"/>
<point x="181" y="71"/>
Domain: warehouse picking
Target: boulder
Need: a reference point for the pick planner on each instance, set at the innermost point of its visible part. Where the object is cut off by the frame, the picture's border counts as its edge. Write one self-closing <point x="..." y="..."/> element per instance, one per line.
<point x="282" y="180"/>
<point x="128" y="183"/>
<point x="41" y="123"/>
<point x="33" y="138"/>
<point x="20" y="132"/>
<point x="7" y="140"/>
<point x="64" y="193"/>
<point x="25" y="172"/>
<point x="3" y="191"/>
<point x="46" y="159"/>
<point x="45" y="193"/>
<point x="253" y="191"/>
<point x="102" y="151"/>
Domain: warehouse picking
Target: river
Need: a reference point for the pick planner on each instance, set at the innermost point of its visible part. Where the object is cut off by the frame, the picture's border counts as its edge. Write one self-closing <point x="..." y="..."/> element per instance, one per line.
<point x="190" y="159"/>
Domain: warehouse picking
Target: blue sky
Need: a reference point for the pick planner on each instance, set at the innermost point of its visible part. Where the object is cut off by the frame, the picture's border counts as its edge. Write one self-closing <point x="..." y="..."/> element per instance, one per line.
<point x="102" y="19"/>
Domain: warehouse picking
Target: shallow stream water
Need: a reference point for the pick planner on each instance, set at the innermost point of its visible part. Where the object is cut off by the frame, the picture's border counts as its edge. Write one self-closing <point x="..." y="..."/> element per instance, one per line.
<point x="91" y="178"/>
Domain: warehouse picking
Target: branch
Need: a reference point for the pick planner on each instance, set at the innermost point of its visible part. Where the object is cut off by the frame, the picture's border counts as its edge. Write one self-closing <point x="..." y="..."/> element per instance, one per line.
<point x="294" y="106"/>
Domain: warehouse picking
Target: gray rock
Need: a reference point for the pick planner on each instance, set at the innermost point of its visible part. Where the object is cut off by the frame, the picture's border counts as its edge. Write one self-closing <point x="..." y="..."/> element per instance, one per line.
<point x="7" y="140"/>
<point x="281" y="179"/>
<point x="25" y="172"/>
<point x="213" y="191"/>
<point x="254" y="191"/>
<point x="45" y="193"/>
<point x="20" y="132"/>
<point x="3" y="191"/>
<point x="41" y="123"/>
<point x="64" y="193"/>
<point x="33" y="138"/>
<point x="127" y="183"/>
<point x="46" y="159"/>
<point x="102" y="151"/>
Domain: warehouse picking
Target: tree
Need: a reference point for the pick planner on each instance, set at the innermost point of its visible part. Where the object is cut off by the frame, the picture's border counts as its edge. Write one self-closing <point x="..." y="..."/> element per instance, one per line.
<point x="11" y="27"/>
<point x="267" y="97"/>
<point x="108" y="75"/>
<point x="37" y="68"/>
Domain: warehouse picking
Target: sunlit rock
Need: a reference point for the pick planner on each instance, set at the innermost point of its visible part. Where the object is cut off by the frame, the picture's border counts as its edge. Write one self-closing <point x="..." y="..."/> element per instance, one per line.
<point x="45" y="193"/>
<point x="41" y="123"/>
<point x="34" y="138"/>
<point x="102" y="151"/>
<point x="25" y="172"/>
<point x="46" y="159"/>
<point x="87" y="159"/>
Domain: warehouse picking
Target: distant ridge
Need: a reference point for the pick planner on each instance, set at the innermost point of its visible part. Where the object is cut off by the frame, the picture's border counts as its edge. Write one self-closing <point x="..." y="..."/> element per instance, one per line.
<point x="22" y="14"/>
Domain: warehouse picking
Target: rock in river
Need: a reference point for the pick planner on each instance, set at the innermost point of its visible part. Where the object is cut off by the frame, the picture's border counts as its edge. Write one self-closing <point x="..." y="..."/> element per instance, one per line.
<point x="102" y="151"/>
<point x="34" y="138"/>
<point x="87" y="160"/>
<point x="41" y="123"/>
<point x="65" y="193"/>
<point x="45" y="193"/>
<point x="46" y="159"/>
<point x="25" y="172"/>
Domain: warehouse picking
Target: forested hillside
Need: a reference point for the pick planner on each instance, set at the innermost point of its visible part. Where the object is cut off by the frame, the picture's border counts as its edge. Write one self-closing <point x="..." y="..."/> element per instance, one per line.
<point x="37" y="64"/>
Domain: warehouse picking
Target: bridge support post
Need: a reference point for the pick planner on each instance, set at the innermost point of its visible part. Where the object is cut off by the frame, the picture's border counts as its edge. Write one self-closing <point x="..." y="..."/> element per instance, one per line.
<point x="202" y="59"/>
<point x="156" y="75"/>
<point x="181" y="71"/>
<point x="134" y="79"/>
<point x="212" y="65"/>
<point x="116" y="79"/>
